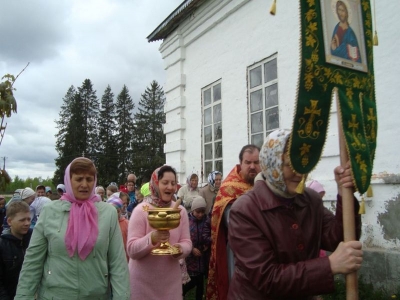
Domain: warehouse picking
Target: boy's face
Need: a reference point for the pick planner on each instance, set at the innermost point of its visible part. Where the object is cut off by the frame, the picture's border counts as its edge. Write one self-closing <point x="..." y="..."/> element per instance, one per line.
<point x="2" y="203"/>
<point x="40" y="192"/>
<point x="109" y="193"/>
<point x="19" y="224"/>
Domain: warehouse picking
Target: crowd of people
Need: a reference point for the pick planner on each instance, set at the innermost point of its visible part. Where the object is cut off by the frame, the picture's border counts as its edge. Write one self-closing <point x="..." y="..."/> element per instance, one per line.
<point x="252" y="235"/>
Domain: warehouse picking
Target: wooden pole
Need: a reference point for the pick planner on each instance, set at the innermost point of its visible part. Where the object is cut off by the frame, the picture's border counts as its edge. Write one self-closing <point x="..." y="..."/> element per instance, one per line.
<point x="349" y="225"/>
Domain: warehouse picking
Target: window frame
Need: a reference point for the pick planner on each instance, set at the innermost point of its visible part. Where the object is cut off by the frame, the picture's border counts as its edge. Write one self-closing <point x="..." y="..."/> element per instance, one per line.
<point x="254" y="111"/>
<point x="212" y="107"/>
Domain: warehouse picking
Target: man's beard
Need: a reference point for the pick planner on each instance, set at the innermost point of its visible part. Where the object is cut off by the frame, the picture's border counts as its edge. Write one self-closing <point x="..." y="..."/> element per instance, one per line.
<point x="249" y="179"/>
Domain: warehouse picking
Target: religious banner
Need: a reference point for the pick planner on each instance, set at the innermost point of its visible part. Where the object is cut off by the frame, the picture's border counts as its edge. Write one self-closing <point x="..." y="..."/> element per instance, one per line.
<point x="336" y="57"/>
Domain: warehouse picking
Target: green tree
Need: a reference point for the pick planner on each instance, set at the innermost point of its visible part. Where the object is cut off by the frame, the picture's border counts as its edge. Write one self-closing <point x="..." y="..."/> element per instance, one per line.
<point x="90" y="109"/>
<point x="70" y="141"/>
<point x="19" y="183"/>
<point x="8" y="105"/>
<point x="148" y="137"/>
<point x="124" y="108"/>
<point x="107" y="164"/>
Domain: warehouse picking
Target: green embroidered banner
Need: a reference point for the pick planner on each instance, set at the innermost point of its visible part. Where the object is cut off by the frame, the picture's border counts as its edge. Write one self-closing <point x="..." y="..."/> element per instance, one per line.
<point x="337" y="56"/>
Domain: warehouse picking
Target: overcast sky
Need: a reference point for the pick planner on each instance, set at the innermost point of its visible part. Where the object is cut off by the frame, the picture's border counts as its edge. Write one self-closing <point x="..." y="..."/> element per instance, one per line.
<point x="65" y="42"/>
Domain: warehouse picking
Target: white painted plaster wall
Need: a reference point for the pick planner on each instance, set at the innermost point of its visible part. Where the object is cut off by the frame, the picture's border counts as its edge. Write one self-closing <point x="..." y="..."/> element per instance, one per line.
<point x="221" y="40"/>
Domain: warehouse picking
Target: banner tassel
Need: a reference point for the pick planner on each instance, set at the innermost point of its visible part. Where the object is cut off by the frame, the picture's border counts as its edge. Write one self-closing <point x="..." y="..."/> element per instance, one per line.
<point x="362" y="207"/>
<point x="272" y="11"/>
<point x="370" y="192"/>
<point x="376" y="42"/>
<point x="375" y="37"/>
<point x="300" y="187"/>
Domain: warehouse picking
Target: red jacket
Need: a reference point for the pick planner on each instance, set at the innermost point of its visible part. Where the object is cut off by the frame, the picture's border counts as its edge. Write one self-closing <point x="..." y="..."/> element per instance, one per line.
<point x="276" y="246"/>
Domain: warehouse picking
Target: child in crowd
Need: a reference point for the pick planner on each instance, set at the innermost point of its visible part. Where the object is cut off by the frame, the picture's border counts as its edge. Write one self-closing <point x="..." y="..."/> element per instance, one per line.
<point x="111" y="189"/>
<point x="13" y="246"/>
<point x="101" y="192"/>
<point x="139" y="197"/>
<point x="117" y="202"/>
<point x="201" y="239"/>
<point x="2" y="211"/>
<point x="125" y="202"/>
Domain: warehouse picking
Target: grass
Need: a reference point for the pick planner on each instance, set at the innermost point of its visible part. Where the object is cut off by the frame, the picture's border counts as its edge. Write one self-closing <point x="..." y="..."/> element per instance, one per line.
<point x="366" y="291"/>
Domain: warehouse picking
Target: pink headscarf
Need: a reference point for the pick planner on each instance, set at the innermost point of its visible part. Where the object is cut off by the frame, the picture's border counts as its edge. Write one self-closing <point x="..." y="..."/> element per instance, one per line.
<point x="83" y="229"/>
<point x="316" y="186"/>
<point x="155" y="190"/>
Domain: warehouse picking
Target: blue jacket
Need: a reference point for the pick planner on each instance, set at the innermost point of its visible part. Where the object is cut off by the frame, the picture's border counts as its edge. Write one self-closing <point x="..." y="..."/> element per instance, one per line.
<point x="132" y="201"/>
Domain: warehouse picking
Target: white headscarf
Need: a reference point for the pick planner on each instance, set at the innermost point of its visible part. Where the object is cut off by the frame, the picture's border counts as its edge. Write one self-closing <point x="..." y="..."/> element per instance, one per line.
<point x="271" y="161"/>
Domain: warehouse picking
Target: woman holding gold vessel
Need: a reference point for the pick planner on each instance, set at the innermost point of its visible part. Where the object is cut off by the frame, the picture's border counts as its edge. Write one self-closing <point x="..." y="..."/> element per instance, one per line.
<point x="157" y="276"/>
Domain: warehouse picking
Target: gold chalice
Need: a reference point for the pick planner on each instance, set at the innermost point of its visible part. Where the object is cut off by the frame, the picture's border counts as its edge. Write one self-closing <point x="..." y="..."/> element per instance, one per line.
<point x="164" y="219"/>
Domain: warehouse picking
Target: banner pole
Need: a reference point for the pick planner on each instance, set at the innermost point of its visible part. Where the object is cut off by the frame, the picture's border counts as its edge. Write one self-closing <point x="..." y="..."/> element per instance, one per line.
<point x="349" y="227"/>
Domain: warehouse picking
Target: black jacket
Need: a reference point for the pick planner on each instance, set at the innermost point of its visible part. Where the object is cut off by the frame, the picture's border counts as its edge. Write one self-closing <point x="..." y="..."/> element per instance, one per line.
<point x="12" y="252"/>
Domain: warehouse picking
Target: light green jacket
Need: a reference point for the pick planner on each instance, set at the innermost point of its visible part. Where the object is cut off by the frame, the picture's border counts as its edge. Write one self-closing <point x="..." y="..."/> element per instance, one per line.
<point x="52" y="274"/>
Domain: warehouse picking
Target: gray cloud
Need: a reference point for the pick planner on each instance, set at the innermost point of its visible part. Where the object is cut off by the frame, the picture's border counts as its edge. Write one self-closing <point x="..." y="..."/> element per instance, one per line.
<point x="34" y="30"/>
<point x="67" y="41"/>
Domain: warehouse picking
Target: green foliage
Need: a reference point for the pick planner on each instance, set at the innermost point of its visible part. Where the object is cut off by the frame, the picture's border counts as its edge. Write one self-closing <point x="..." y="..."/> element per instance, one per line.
<point x="108" y="150"/>
<point x="78" y="128"/>
<point x="70" y="140"/>
<point x="8" y="104"/>
<point x="19" y="183"/>
<point x="366" y="291"/>
<point x="5" y="180"/>
<point x="125" y="128"/>
<point x="89" y="105"/>
<point x="116" y="140"/>
<point x="148" y="135"/>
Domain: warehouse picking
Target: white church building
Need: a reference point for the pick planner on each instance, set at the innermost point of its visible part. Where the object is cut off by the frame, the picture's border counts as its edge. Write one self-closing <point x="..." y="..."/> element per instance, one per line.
<point x="231" y="77"/>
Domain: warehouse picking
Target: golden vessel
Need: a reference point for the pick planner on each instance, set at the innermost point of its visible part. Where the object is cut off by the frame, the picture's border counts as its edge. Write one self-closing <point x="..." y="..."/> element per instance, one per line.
<point x="164" y="219"/>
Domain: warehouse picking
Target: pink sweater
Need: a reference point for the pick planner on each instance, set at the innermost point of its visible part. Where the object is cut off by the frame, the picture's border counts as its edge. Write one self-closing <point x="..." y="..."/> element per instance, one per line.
<point x="155" y="276"/>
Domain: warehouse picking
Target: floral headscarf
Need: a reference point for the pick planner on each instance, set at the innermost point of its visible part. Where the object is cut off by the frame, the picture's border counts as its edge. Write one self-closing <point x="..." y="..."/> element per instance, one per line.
<point x="271" y="161"/>
<point x="115" y="201"/>
<point x="211" y="179"/>
<point x="82" y="230"/>
<point x="190" y="188"/>
<point x="155" y="191"/>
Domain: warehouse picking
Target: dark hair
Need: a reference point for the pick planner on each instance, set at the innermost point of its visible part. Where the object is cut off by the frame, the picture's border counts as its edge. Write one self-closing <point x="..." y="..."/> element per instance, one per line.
<point x="40" y="187"/>
<point x="341" y="3"/>
<point x="248" y="148"/>
<point x="82" y="165"/>
<point x="165" y="169"/>
<point x="15" y="207"/>
<point x="122" y="194"/>
<point x="193" y="176"/>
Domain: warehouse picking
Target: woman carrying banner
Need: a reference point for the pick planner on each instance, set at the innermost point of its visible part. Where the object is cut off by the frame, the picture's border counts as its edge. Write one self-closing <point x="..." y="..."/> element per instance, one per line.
<point x="276" y="233"/>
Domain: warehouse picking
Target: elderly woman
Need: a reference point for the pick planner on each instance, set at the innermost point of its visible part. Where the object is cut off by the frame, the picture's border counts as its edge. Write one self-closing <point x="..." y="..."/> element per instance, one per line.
<point x="189" y="191"/>
<point x="276" y="233"/>
<point x="157" y="276"/>
<point x="76" y="250"/>
<point x="101" y="192"/>
<point x="209" y="191"/>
